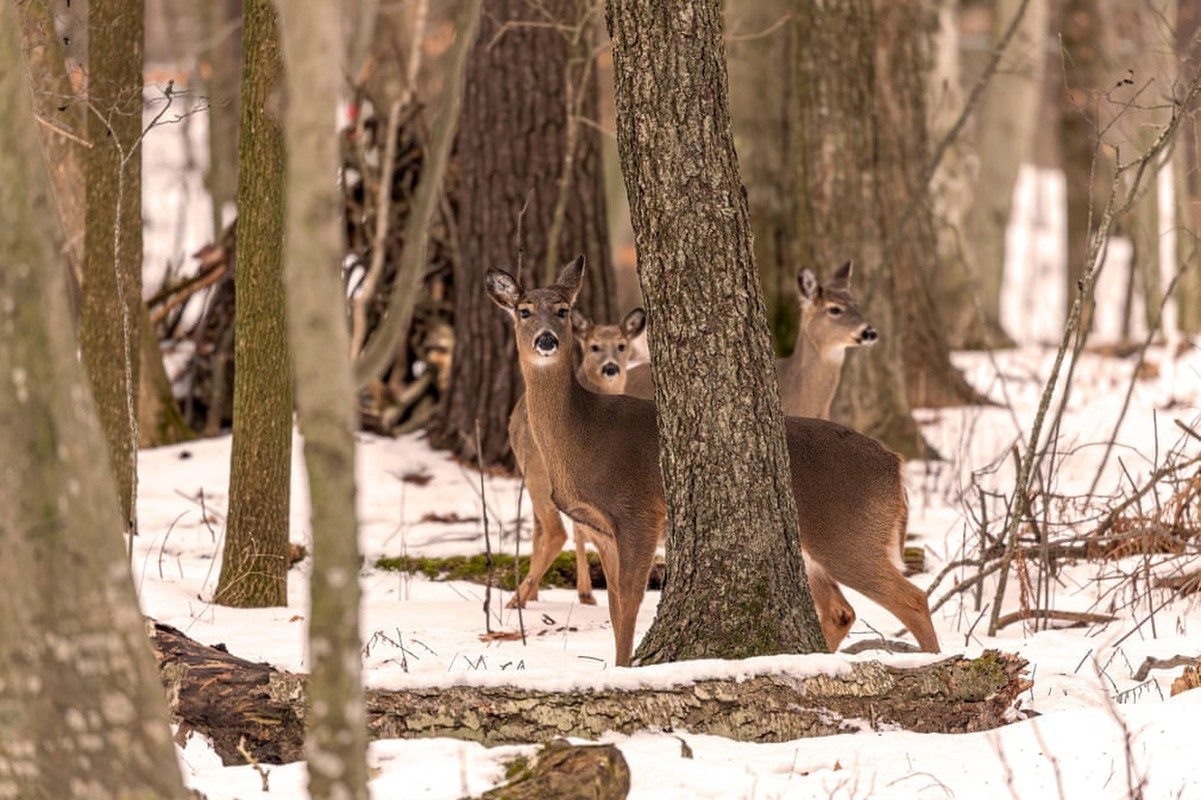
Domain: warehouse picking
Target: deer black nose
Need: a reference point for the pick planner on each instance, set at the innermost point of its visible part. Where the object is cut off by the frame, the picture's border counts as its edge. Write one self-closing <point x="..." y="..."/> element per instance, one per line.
<point x="610" y="370"/>
<point x="546" y="343"/>
<point x="869" y="335"/>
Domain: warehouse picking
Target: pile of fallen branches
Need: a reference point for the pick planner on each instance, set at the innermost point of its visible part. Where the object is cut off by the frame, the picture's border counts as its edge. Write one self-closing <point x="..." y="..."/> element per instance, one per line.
<point x="196" y="315"/>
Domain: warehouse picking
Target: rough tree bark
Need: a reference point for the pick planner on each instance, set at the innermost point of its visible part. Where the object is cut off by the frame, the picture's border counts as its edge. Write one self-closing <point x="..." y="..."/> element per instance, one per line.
<point x="725" y="468"/>
<point x="112" y="279"/>
<point x="524" y="144"/>
<point x="311" y="36"/>
<point x="254" y="562"/>
<point x="253" y="708"/>
<point x="81" y="711"/>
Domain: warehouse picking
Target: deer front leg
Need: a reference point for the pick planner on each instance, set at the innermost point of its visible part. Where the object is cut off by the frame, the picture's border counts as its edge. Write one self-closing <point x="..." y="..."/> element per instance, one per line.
<point x="583" y="573"/>
<point x="549" y="538"/>
<point x="834" y="612"/>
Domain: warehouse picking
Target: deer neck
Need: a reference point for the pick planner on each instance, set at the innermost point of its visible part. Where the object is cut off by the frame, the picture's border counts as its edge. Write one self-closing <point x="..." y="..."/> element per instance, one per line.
<point x="556" y="403"/>
<point x="812" y="377"/>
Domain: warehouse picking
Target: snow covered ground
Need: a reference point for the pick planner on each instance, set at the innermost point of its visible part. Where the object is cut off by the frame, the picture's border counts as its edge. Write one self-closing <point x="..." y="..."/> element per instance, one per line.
<point x="1099" y="728"/>
<point x="1099" y="732"/>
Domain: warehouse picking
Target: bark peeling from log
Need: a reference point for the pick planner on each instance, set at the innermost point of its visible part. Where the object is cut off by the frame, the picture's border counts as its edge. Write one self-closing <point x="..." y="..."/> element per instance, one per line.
<point x="254" y="707"/>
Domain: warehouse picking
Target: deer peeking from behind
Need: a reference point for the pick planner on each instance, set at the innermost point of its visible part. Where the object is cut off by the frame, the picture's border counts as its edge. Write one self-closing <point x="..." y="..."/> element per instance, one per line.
<point x="830" y="323"/>
<point x="604" y="355"/>
<point x="601" y="454"/>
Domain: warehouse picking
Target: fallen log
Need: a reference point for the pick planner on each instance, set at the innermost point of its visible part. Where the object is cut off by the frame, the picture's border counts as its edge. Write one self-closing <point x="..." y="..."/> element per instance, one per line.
<point x="255" y="710"/>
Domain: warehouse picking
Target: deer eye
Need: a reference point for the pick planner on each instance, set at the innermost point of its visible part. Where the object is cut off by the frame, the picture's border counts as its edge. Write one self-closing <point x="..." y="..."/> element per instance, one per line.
<point x="835" y="311"/>
<point x="524" y="313"/>
<point x="561" y="313"/>
<point x="621" y="348"/>
<point x="595" y="348"/>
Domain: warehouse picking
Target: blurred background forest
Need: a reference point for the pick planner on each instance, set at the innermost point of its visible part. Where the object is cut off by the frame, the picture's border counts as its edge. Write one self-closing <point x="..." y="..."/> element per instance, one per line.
<point x="952" y="105"/>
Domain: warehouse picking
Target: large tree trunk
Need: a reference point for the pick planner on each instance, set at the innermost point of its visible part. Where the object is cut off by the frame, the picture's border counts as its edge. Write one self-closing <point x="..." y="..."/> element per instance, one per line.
<point x="254" y="564"/>
<point x="81" y="714"/>
<point x="759" y="36"/>
<point x="843" y="203"/>
<point x="526" y="126"/>
<point x="726" y="475"/>
<point x="112" y="279"/>
<point x="336" y="746"/>
<point x="245" y="707"/>
<point x="1005" y="129"/>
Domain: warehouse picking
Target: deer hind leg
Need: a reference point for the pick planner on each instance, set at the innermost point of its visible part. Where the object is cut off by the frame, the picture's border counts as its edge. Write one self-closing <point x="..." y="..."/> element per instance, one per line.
<point x="548" y="539"/>
<point x="583" y="574"/>
<point x="835" y="614"/>
<point x="888" y="587"/>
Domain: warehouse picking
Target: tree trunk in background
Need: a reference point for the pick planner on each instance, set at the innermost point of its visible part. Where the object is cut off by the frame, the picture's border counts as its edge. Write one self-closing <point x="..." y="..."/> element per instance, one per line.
<point x="1086" y="166"/>
<point x="844" y="187"/>
<point x="82" y="713"/>
<point x="726" y="474"/>
<point x="1154" y="63"/>
<point x="1005" y="128"/>
<point x="159" y="420"/>
<point x="112" y="279"/>
<point x="962" y="317"/>
<point x="762" y="104"/>
<point x="56" y="101"/>
<point x="336" y="745"/>
<point x="1187" y="171"/>
<point x="523" y="75"/>
<point x="255" y="560"/>
<point x="219" y="69"/>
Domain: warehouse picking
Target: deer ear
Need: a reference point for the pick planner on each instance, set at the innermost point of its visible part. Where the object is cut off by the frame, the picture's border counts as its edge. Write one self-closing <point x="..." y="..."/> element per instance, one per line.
<point x="570" y="277"/>
<point x="806" y="282"/>
<point x="502" y="288"/>
<point x="580" y="324"/>
<point x="634" y="323"/>
<point x="842" y="278"/>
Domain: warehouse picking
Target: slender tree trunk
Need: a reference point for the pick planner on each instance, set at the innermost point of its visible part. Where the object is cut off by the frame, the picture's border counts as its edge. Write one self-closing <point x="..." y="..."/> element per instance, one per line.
<point x="254" y="565"/>
<point x="530" y="190"/>
<point x="82" y="714"/>
<point x="1008" y="115"/>
<point x="112" y="281"/>
<point x="951" y="191"/>
<point x="1086" y="166"/>
<point x="760" y="37"/>
<point x="725" y="468"/>
<point x="1187" y="182"/>
<point x="219" y="62"/>
<point x="336" y="744"/>
<point x="1155" y="71"/>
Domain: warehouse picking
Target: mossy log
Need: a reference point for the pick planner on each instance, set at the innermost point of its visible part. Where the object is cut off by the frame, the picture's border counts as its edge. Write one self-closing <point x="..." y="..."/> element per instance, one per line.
<point x="255" y="710"/>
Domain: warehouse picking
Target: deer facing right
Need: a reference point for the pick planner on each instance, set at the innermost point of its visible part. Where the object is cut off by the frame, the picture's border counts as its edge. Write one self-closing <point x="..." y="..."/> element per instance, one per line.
<point x="830" y="323"/>
<point x="602" y="458"/>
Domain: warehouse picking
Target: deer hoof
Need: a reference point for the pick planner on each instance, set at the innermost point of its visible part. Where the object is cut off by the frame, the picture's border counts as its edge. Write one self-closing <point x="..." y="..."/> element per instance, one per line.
<point x="587" y="599"/>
